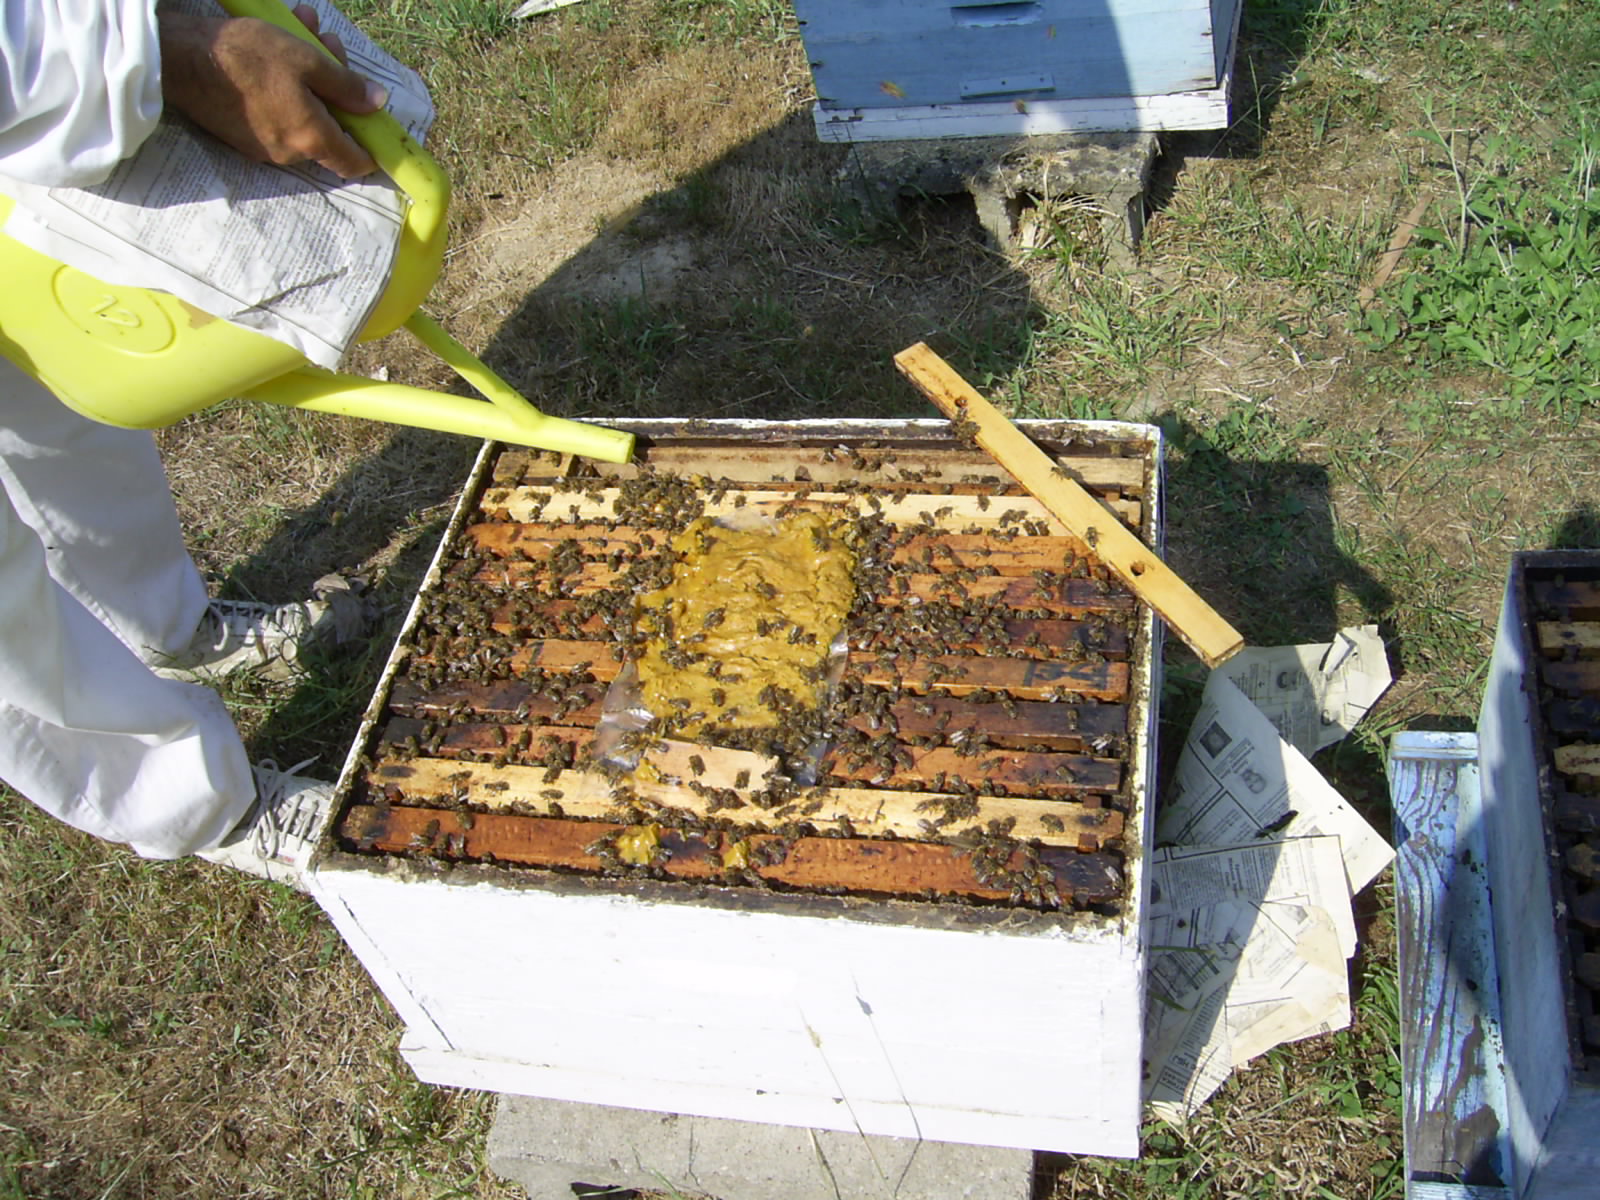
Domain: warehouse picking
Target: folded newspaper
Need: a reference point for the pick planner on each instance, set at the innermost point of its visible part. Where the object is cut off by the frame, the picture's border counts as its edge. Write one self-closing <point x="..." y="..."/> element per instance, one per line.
<point x="292" y="252"/>
<point x="1250" y="895"/>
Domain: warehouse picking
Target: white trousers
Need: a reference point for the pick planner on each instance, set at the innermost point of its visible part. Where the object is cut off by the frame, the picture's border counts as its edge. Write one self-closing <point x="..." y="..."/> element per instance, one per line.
<point x="95" y="580"/>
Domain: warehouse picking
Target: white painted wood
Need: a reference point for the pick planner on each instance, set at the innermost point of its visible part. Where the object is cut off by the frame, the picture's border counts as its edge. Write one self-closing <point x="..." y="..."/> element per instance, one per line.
<point x="1426" y="1190"/>
<point x="1206" y="109"/>
<point x="1532" y="1000"/>
<point x="905" y="1026"/>
<point x="1425" y="746"/>
<point x="1155" y="110"/>
<point x="1027" y="1037"/>
<point x="1450" y="1030"/>
<point x="395" y="987"/>
<point x="1569" y="1165"/>
<point x="1024" y="1132"/>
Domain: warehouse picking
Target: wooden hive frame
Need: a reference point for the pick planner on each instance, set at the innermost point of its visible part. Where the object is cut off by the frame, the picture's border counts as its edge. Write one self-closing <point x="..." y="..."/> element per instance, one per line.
<point x="984" y="783"/>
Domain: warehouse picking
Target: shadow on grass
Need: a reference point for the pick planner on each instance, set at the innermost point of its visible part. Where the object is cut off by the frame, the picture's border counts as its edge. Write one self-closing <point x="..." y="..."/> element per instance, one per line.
<point x="1256" y="538"/>
<point x="1274" y="36"/>
<point x="1578" y="530"/>
<point x="396" y="500"/>
<point x="759" y="287"/>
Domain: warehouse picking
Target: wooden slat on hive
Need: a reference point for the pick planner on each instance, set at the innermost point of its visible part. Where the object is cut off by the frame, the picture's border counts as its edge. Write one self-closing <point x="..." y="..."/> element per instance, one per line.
<point x="1055" y="594"/>
<point x="1573" y="599"/>
<point x="504" y="698"/>
<point x="1578" y="637"/>
<point x="1029" y="638"/>
<point x="1062" y="725"/>
<point x="1018" y="772"/>
<point x="759" y="464"/>
<point x="953" y="674"/>
<point x="851" y="864"/>
<point x="983" y="552"/>
<point x="1026" y="637"/>
<point x="956" y="513"/>
<point x="1576" y="676"/>
<point x="866" y="811"/>
<point x="1576" y="812"/>
<point x="1580" y="761"/>
<point x="1574" y="716"/>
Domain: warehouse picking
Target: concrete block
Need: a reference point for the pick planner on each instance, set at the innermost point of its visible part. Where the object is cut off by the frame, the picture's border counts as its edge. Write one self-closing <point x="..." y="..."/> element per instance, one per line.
<point x="1004" y="174"/>
<point x="549" y="1145"/>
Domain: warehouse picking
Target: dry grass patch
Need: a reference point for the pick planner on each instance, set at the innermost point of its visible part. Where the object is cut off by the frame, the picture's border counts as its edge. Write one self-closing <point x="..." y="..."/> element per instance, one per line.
<point x="171" y="1029"/>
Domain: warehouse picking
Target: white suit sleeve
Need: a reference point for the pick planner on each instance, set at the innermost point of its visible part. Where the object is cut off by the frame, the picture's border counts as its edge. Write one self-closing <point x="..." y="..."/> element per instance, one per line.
<point x="80" y="87"/>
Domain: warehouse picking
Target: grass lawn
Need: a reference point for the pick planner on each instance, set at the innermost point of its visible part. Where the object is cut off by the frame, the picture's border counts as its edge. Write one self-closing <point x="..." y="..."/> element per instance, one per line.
<point x="645" y="224"/>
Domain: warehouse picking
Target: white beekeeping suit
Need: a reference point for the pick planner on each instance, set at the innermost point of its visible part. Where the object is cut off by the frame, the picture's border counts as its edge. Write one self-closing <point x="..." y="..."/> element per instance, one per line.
<point x="94" y="579"/>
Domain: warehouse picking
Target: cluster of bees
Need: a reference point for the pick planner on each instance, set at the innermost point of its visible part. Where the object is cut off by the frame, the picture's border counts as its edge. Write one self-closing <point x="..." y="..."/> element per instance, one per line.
<point x="489" y="606"/>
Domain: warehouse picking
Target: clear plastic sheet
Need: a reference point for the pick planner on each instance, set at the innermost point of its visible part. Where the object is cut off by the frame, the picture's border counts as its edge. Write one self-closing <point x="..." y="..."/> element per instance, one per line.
<point x="627" y="725"/>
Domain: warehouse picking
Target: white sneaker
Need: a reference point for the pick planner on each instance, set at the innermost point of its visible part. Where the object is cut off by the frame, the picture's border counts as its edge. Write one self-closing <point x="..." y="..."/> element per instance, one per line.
<point x="237" y="635"/>
<point x="277" y="835"/>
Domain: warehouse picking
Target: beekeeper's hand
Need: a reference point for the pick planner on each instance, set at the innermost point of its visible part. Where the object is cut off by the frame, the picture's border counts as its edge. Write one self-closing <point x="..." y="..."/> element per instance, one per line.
<point x="263" y="91"/>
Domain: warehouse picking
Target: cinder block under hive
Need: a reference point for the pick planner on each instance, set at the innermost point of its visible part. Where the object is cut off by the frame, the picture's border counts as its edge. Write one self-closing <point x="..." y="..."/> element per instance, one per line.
<point x="862" y="953"/>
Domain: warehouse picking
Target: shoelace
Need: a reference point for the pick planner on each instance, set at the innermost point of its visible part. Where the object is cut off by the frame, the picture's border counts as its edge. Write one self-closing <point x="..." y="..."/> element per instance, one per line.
<point x="241" y="622"/>
<point x="267" y="831"/>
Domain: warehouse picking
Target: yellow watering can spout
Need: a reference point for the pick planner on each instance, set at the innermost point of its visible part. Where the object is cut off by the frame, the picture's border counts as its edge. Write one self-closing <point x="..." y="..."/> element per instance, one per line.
<point x="506" y="418"/>
<point x="141" y="359"/>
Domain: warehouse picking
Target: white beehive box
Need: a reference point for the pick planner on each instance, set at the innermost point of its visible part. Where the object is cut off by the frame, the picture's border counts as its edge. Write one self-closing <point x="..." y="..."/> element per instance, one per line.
<point x="896" y="69"/>
<point x="988" y="1023"/>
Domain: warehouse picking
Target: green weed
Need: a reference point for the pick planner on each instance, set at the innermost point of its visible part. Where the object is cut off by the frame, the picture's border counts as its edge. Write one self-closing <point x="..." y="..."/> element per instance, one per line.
<point x="561" y="105"/>
<point x="1108" y="327"/>
<point x="687" y="20"/>
<point x="1511" y="283"/>
<point x="424" y="26"/>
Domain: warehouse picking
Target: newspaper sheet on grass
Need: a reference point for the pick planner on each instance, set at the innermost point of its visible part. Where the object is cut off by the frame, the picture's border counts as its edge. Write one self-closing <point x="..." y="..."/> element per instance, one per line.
<point x="1251" y="918"/>
<point x="1314" y="695"/>
<point x="292" y="252"/>
<point x="1237" y="780"/>
<point x="1248" y="950"/>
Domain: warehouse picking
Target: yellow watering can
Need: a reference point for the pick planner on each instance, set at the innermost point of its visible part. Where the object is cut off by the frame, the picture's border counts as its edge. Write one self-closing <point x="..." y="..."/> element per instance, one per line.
<point x="141" y="359"/>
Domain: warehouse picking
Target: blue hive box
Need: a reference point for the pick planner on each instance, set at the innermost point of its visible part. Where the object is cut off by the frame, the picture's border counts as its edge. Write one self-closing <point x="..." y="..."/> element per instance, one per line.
<point x="896" y="69"/>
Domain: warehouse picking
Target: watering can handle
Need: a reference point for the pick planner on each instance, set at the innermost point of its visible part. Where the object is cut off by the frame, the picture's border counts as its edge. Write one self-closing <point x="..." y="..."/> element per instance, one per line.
<point x="510" y="417"/>
<point x="402" y="158"/>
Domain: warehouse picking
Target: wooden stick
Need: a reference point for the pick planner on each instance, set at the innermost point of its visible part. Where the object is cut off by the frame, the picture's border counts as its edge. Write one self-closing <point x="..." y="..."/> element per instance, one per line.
<point x="1057" y="725"/>
<point x="938" y="509"/>
<point x="1390" y="258"/>
<point x="1190" y="617"/>
<point x="868" y="811"/>
<point x="856" y="864"/>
